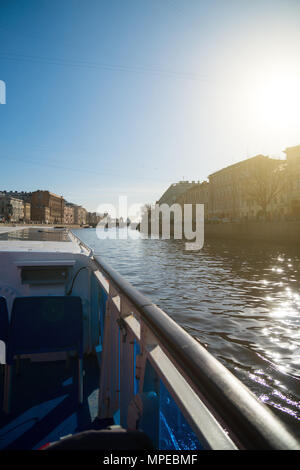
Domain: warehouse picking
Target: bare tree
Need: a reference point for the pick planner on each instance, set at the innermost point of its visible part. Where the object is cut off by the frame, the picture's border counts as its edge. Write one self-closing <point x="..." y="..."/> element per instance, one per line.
<point x="264" y="182"/>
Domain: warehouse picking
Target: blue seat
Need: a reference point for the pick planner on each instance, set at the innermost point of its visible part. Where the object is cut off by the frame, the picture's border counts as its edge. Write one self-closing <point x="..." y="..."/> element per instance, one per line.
<point x="42" y="325"/>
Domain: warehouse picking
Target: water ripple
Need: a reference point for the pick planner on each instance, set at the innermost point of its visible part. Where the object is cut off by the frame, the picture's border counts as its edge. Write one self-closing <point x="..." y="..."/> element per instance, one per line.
<point x="241" y="300"/>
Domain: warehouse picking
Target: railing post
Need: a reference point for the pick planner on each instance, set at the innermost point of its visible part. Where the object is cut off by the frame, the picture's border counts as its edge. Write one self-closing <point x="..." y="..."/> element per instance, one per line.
<point x="126" y="367"/>
<point x="149" y="387"/>
<point x="148" y="341"/>
<point x="109" y="374"/>
<point x="115" y="362"/>
<point x="104" y="392"/>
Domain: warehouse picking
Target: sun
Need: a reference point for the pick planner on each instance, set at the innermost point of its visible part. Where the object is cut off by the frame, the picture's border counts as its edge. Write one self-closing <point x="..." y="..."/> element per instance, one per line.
<point x="278" y="101"/>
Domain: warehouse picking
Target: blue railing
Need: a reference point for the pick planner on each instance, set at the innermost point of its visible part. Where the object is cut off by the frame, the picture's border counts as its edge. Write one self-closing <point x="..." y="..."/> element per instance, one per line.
<point x="156" y="377"/>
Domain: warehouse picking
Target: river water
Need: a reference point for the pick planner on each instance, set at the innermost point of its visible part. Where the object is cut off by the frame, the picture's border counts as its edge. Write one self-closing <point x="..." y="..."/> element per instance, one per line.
<point x="240" y="299"/>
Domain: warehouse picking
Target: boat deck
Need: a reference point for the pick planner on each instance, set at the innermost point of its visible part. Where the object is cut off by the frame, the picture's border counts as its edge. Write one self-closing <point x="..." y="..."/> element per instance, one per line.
<point x="44" y="403"/>
<point x="37" y="239"/>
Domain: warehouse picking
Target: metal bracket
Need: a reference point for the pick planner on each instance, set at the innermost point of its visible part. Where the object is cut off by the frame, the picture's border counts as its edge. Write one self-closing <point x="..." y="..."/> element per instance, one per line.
<point x="123" y="328"/>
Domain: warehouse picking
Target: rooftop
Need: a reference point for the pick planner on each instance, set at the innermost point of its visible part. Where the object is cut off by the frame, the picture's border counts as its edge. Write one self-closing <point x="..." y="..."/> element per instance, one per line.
<point x="243" y="162"/>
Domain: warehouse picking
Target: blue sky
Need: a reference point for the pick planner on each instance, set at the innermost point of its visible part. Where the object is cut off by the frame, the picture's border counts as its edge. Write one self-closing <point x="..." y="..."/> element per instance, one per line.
<point x="123" y="97"/>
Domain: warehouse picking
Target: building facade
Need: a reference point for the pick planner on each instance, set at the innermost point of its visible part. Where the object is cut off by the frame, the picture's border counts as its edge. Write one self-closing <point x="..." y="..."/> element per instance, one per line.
<point x="80" y="215"/>
<point x="68" y="214"/>
<point x="47" y="207"/>
<point x="11" y="209"/>
<point x="293" y="176"/>
<point x="240" y="191"/>
<point x="197" y="194"/>
<point x="174" y="191"/>
<point x="27" y="212"/>
<point x="93" y="218"/>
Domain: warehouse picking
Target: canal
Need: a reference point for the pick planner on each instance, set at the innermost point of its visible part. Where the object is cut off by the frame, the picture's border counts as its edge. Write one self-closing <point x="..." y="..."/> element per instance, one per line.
<point x="240" y="299"/>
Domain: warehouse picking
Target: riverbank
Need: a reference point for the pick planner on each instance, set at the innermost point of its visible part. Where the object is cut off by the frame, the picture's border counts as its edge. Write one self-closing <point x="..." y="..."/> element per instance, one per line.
<point x="287" y="232"/>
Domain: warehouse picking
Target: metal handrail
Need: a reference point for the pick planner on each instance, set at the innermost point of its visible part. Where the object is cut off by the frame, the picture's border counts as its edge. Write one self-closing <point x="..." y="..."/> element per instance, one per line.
<point x="250" y="421"/>
<point x="79" y="241"/>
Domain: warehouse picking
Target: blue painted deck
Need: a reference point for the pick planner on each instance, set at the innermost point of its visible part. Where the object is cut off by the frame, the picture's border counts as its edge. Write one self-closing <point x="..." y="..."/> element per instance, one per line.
<point x="44" y="405"/>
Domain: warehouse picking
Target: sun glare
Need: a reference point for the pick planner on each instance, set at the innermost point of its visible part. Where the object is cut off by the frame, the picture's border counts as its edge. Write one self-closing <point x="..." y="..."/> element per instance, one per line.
<point x="278" y="101"/>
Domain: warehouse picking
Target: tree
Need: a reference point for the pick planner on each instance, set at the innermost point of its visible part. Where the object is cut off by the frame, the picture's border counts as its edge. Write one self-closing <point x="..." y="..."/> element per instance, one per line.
<point x="265" y="181"/>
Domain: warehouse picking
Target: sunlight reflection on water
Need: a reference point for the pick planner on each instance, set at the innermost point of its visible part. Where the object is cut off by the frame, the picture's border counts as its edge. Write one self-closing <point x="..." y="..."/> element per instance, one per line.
<point x="241" y="300"/>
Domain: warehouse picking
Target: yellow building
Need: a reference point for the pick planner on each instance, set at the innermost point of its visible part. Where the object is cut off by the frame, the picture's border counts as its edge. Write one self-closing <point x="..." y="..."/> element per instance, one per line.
<point x="293" y="176"/>
<point x="68" y="214"/>
<point x="11" y="208"/>
<point x="198" y="193"/>
<point x="80" y="215"/>
<point x="27" y="212"/>
<point x="172" y="194"/>
<point x="47" y="207"/>
<point x="245" y="190"/>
